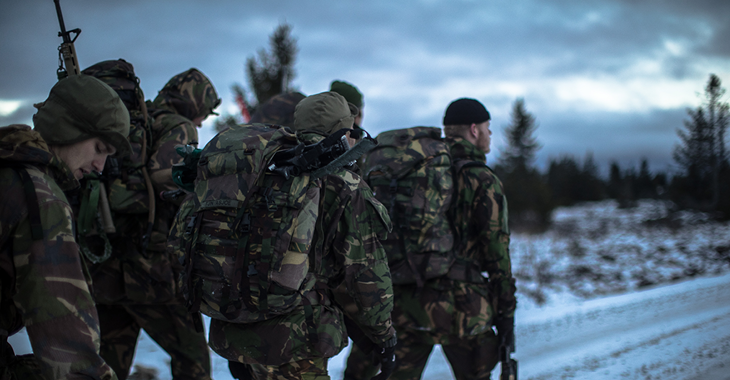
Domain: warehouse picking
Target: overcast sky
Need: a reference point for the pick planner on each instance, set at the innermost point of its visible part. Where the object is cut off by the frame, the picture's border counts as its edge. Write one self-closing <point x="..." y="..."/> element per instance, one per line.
<point x="609" y="77"/>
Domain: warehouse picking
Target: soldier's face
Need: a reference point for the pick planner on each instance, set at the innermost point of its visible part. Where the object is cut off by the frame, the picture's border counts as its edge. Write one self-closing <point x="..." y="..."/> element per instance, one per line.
<point x="85" y="156"/>
<point x="198" y="121"/>
<point x="484" y="139"/>
<point x="358" y="118"/>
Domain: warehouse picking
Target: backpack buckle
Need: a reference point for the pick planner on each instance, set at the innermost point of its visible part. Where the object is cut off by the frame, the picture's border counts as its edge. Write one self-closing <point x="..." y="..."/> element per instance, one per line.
<point x="251" y="270"/>
<point x="191" y="225"/>
<point x="246" y="223"/>
<point x="270" y="205"/>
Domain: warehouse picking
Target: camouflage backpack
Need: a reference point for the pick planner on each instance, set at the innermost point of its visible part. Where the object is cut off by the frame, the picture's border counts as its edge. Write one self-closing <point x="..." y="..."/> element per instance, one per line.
<point x="244" y="234"/>
<point x="129" y="189"/>
<point x="410" y="173"/>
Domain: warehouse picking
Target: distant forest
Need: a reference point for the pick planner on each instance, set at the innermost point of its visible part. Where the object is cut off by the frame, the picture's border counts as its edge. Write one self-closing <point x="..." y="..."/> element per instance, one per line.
<point x="702" y="184"/>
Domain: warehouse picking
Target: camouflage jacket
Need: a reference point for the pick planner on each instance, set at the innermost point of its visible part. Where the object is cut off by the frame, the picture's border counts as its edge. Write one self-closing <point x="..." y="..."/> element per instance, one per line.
<point x="168" y="130"/>
<point x="346" y="250"/>
<point x="43" y="282"/>
<point x="446" y="307"/>
<point x="149" y="277"/>
<point x="131" y="276"/>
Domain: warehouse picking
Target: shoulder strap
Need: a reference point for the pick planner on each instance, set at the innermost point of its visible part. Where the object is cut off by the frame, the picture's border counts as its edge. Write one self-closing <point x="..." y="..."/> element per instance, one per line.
<point x="465" y="164"/>
<point x="457" y="167"/>
<point x="34" y="212"/>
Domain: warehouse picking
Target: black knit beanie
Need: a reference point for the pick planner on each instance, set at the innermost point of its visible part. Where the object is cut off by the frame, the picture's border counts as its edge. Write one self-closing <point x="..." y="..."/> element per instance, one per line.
<point x="465" y="111"/>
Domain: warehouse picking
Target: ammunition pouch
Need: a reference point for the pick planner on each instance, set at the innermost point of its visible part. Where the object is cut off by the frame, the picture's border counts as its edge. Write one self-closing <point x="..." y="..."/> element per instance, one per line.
<point x="465" y="271"/>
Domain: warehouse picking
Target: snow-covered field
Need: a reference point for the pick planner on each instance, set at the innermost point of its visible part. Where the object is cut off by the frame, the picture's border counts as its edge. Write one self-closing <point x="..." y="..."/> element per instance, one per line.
<point x="605" y="294"/>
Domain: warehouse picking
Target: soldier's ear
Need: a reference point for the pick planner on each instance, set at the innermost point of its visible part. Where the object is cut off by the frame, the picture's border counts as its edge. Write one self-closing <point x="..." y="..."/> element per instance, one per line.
<point x="474" y="131"/>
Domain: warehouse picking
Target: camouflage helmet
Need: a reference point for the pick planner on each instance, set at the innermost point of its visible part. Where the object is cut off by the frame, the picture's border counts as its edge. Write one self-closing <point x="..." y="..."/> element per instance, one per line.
<point x="119" y="75"/>
<point x="324" y="113"/>
<point x="190" y="94"/>
<point x="81" y="107"/>
<point x="278" y="110"/>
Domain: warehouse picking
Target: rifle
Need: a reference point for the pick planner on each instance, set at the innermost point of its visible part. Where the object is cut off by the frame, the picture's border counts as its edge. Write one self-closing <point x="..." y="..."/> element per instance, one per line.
<point x="68" y="64"/>
<point x="509" y="365"/>
<point x="66" y="52"/>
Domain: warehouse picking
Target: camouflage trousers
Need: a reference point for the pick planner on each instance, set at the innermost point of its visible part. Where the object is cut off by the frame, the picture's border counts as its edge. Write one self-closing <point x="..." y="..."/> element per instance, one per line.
<point x="171" y="326"/>
<point x="12" y="367"/>
<point x="471" y="358"/>
<point x="360" y="365"/>
<point x="307" y="369"/>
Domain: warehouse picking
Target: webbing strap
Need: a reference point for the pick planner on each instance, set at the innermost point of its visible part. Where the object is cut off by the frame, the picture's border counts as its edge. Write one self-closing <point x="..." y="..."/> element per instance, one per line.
<point x="399" y="232"/>
<point x="34" y="213"/>
<point x="89" y="206"/>
<point x="242" y="265"/>
<point x="265" y="266"/>
<point x="191" y="231"/>
<point x="320" y="294"/>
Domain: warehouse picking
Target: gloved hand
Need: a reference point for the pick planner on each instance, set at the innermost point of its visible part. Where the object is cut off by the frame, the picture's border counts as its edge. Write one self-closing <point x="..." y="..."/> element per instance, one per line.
<point x="506" y="330"/>
<point x="385" y="356"/>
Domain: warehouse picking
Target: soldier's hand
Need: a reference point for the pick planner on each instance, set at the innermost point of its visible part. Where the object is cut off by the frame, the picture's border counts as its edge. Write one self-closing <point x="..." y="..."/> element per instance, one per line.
<point x="385" y="356"/>
<point x="506" y="330"/>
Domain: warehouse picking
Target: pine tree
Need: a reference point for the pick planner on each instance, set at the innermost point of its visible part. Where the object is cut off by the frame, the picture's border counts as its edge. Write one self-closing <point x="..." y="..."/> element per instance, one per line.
<point x="702" y="153"/>
<point x="615" y="181"/>
<point x="530" y="205"/>
<point x="273" y="72"/>
<point x="589" y="186"/>
<point x="521" y="144"/>
<point x="269" y="75"/>
<point x="563" y="176"/>
<point x="644" y="187"/>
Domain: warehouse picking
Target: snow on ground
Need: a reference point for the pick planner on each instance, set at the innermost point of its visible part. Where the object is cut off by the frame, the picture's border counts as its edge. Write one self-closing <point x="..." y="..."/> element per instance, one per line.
<point x="641" y="293"/>
<point x="679" y="331"/>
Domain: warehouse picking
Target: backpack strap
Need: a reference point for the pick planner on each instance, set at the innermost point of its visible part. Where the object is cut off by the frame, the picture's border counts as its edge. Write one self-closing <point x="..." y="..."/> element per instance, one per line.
<point x="34" y="212"/>
<point x="398" y="227"/>
<point x="463" y="269"/>
<point x="191" y="231"/>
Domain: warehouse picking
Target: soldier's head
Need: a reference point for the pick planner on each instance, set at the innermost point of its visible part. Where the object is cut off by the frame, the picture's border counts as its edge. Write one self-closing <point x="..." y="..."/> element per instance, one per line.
<point x="190" y="94"/>
<point x="278" y="110"/>
<point x="83" y="121"/>
<point x="324" y="114"/>
<point x="469" y="119"/>
<point x="119" y="75"/>
<point x="354" y="96"/>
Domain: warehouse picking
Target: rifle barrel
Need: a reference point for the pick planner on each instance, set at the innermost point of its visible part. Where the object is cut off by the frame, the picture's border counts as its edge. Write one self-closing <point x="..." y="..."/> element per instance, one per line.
<point x="63" y="34"/>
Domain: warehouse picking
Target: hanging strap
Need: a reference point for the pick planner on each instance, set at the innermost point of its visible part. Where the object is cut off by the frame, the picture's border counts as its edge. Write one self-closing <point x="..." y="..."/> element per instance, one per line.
<point x="34" y="212"/>
<point x="191" y="232"/>
<point x="89" y="204"/>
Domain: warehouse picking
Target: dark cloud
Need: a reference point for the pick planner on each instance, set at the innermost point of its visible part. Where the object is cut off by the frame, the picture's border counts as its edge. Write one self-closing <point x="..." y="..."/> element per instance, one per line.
<point x="409" y="57"/>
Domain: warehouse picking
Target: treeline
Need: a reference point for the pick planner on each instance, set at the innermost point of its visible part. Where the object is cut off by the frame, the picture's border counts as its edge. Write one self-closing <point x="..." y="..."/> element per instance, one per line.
<point x="702" y="184"/>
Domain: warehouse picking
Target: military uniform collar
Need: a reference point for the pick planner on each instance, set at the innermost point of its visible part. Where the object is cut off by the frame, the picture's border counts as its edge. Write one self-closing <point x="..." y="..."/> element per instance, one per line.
<point x="462" y="149"/>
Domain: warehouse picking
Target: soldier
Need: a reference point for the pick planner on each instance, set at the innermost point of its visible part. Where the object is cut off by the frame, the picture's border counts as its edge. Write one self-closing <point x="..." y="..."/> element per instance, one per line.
<point x="136" y="287"/>
<point x="278" y="110"/>
<point x="345" y="249"/>
<point x="43" y="284"/>
<point x="353" y="96"/>
<point x="458" y="310"/>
